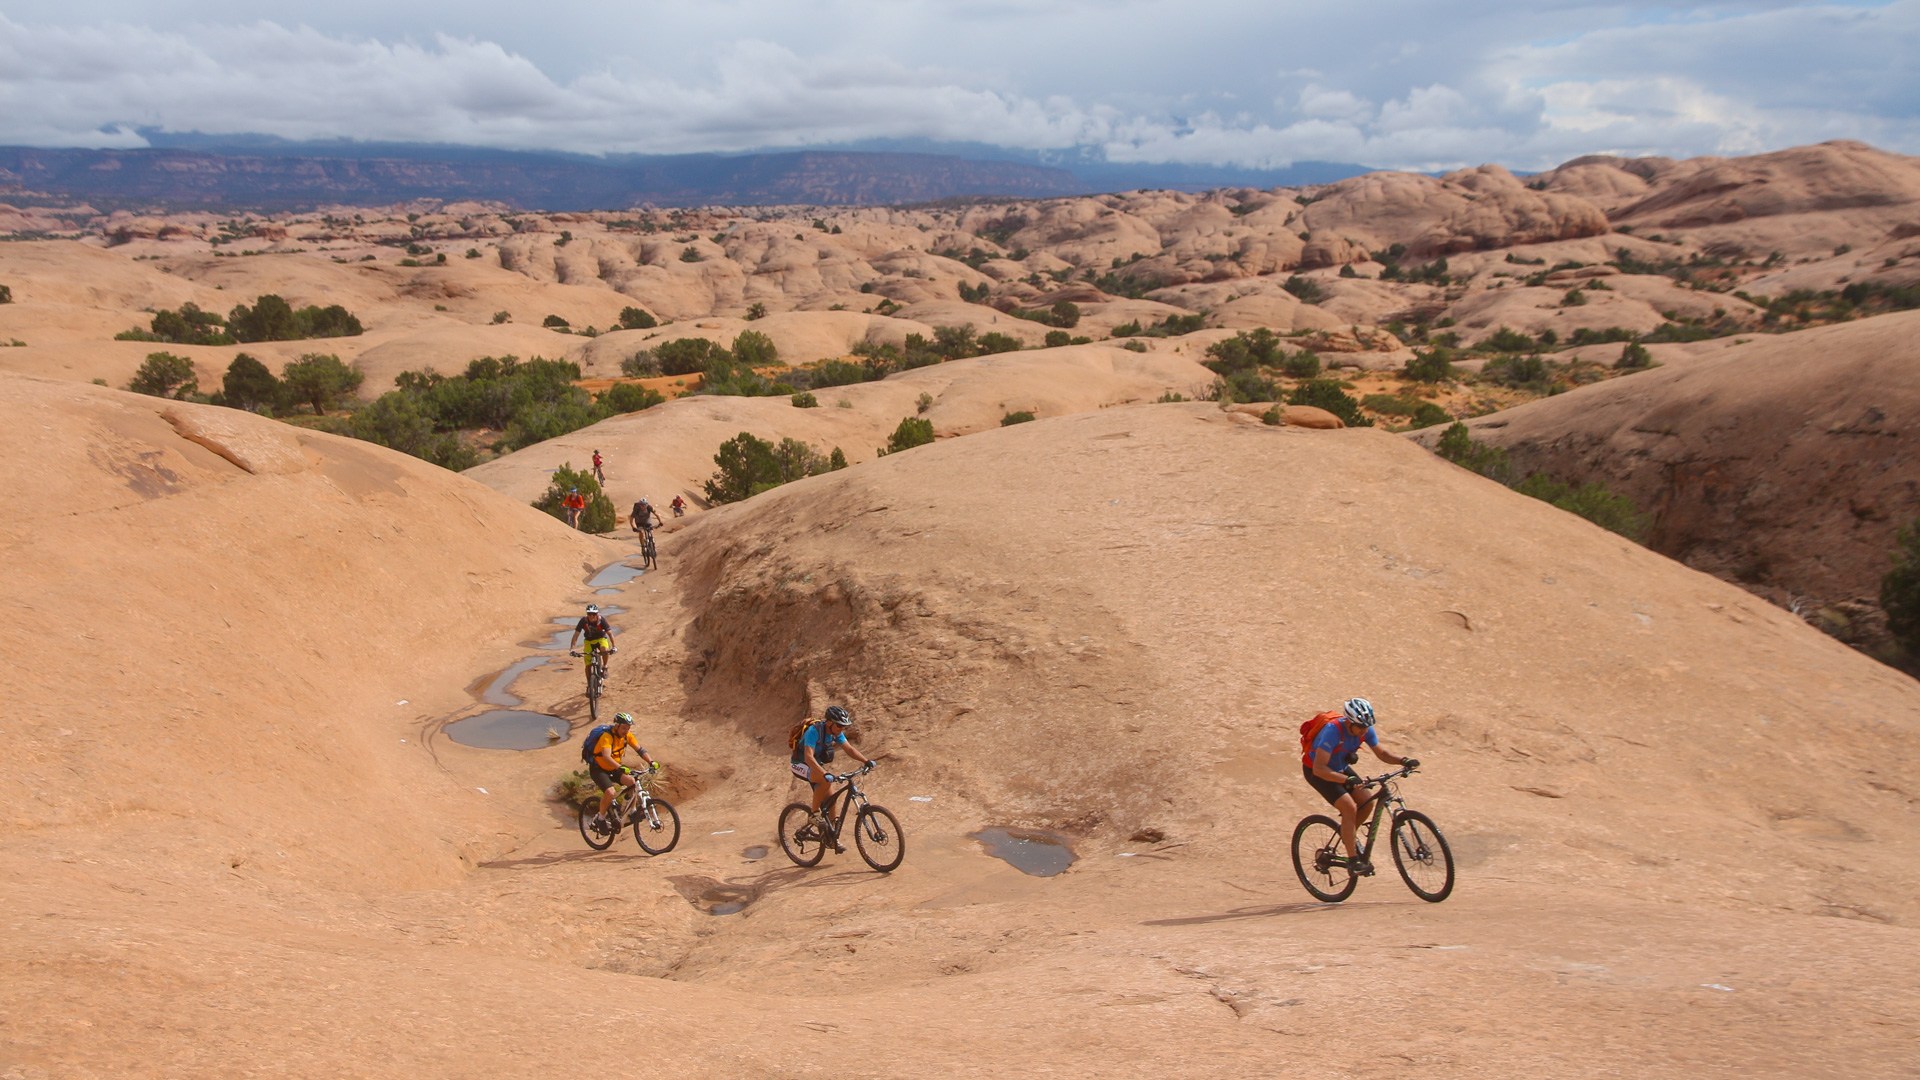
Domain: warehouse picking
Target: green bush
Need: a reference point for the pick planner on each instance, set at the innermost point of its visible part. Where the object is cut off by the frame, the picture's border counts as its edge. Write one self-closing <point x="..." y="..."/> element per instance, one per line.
<point x="1057" y="338"/>
<point x="1391" y="405"/>
<point x="629" y="398"/>
<point x="319" y="380"/>
<point x="1066" y="314"/>
<point x="1246" y="385"/>
<point x="249" y="385"/>
<point x="633" y="318"/>
<point x="395" y="421"/>
<point x="1435" y="365"/>
<point x="756" y="311"/>
<point x="555" y="322"/>
<point x="687" y="356"/>
<point x="755" y="349"/>
<point x="6" y="294"/>
<point x="1458" y="446"/>
<point x="1900" y="589"/>
<point x="1429" y="415"/>
<point x="1307" y="289"/>
<point x="954" y="342"/>
<point x="187" y="326"/>
<point x="165" y="375"/>
<point x="598" y="517"/>
<point x="1327" y="394"/>
<point x="273" y="319"/>
<point x="1012" y="418"/>
<point x="1505" y="340"/>
<point x="749" y="466"/>
<point x="1585" y="336"/>
<point x="1519" y="372"/>
<point x="994" y="342"/>
<point x="1245" y="350"/>
<point x="913" y="431"/>
<point x="1633" y="357"/>
<point x="1125" y="329"/>
<point x="1135" y="346"/>
<point x="805" y="400"/>
<point x="640" y="365"/>
<point x="1595" y="502"/>
<point x="1300" y="365"/>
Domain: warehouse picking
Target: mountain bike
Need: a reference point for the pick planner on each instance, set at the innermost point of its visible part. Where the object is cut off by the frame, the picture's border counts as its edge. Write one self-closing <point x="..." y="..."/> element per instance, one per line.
<point x="596" y="675"/>
<point x="649" y="554"/>
<point x="876" y="832"/>
<point x="1420" y="853"/>
<point x="656" y="824"/>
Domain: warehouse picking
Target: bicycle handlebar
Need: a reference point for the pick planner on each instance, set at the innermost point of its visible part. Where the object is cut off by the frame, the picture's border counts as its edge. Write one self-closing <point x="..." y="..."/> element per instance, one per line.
<point x="1404" y="770"/>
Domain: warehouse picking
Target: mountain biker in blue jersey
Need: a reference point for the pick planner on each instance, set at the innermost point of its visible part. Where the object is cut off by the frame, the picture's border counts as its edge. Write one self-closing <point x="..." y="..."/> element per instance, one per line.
<point x="1329" y="769"/>
<point x="819" y="741"/>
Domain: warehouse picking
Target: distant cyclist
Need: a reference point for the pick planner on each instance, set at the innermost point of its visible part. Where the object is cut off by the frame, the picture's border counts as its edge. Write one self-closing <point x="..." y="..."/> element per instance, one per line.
<point x="818" y="742"/>
<point x="597" y="631"/>
<point x="598" y="473"/>
<point x="1328" y="766"/>
<point x="645" y="517"/>
<point x="573" y="504"/>
<point x="605" y="767"/>
<point x="679" y="506"/>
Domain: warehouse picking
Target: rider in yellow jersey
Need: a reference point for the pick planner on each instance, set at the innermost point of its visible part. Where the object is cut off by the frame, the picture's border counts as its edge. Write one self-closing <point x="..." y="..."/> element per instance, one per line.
<point x="605" y="767"/>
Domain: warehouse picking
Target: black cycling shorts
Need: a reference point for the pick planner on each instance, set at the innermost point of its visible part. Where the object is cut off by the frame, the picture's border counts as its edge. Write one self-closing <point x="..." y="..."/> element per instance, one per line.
<point x="1328" y="790"/>
<point x="603" y="779"/>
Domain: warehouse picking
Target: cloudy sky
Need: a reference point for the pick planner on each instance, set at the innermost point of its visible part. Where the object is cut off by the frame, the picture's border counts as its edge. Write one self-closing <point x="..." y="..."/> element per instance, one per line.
<point x="1386" y="83"/>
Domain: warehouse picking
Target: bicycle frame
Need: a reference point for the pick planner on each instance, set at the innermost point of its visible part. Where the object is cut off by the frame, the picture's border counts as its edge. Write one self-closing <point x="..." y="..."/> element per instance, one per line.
<point x="1388" y="795"/>
<point x="851" y="791"/>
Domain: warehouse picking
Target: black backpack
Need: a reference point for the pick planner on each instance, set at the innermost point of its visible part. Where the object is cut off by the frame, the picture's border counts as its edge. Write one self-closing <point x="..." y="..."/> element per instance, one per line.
<point x="586" y="748"/>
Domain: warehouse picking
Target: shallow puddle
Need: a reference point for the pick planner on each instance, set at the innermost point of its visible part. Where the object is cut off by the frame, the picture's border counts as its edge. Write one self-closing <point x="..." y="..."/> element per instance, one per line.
<point x="757" y="851"/>
<point x="1031" y="851"/>
<point x="507" y="729"/>
<point x="724" y="901"/>
<point x="497" y="689"/>
<point x="615" y="574"/>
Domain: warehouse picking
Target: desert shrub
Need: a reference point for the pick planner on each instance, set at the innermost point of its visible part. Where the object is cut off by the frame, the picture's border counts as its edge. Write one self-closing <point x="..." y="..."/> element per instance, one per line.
<point x="1900" y="589"/>
<point x="396" y="421"/>
<point x="629" y="398"/>
<point x="690" y="254"/>
<point x="1245" y="350"/>
<point x="805" y="400"/>
<point x="1135" y="346"/>
<point x="1132" y="288"/>
<point x="1065" y="314"/>
<point x="995" y="342"/>
<point x="1595" y="502"/>
<point x="913" y="431"/>
<point x="641" y="365"/>
<point x="971" y="295"/>
<point x="598" y="517"/>
<point x="1303" y="364"/>
<point x="501" y="317"/>
<point x="924" y="402"/>
<point x="187" y="326"/>
<point x="1057" y="338"/>
<point x="727" y="377"/>
<point x="1327" y="394"/>
<point x="828" y="373"/>
<point x="687" y="356"/>
<point x="1458" y="446"/>
<point x="1168" y="398"/>
<point x="6" y="294"/>
<point x="1347" y="271"/>
<point x="755" y="349"/>
<point x="1434" y="365"/>
<point x="1505" y="340"/>
<point x="249" y="385"/>
<point x="550" y="419"/>
<point x="1021" y="417"/>
<point x="1587" y="336"/>
<point x="1573" y="298"/>
<point x="165" y="375"/>
<point x="953" y="342"/>
<point x="1307" y="289"/>
<point x="749" y="465"/>
<point x="273" y="319"/>
<point x="1391" y="405"/>
<point x="1633" y="357"/>
<point x="1518" y="372"/>
<point x="1244" y="385"/>
<point x="633" y="318"/>
<point x="555" y="322"/>
<point x="319" y="380"/>
<point x="756" y="310"/>
<point x="575" y="790"/>
<point x="1125" y="329"/>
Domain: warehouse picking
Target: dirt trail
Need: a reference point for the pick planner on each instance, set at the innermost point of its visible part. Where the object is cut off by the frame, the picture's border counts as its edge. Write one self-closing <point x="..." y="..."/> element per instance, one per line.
<point x="1658" y="787"/>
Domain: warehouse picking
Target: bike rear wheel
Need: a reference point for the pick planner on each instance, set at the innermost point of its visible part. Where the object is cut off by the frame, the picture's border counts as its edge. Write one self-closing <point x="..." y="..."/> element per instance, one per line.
<point x="599" y="839"/>
<point x="657" y="828"/>
<point x="1316" y="847"/>
<point x="1422" y="856"/>
<point x="877" y="833"/>
<point x="799" y="837"/>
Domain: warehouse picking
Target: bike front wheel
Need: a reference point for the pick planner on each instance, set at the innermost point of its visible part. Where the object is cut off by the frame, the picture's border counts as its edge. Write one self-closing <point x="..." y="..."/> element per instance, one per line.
<point x="656" y="828"/>
<point x="1422" y="856"/>
<point x="599" y="837"/>
<point x="593" y="691"/>
<point x="877" y="833"/>
<point x="1316" y="858"/>
<point x="799" y="837"/>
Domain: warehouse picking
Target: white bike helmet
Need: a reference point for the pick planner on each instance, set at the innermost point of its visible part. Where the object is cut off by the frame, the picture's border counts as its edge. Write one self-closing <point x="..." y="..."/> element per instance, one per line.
<point x="1359" y="710"/>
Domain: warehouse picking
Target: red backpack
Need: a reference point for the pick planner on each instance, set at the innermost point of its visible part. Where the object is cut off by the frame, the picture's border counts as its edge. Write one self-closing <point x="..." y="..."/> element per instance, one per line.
<point x="1310" y="731"/>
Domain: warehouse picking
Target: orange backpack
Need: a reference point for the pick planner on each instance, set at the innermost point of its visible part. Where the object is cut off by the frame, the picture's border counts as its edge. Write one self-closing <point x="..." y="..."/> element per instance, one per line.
<point x="1310" y="731"/>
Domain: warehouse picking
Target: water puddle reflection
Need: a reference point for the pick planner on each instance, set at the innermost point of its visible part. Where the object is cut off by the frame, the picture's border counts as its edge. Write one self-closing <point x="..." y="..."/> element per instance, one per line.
<point x="1038" y="852"/>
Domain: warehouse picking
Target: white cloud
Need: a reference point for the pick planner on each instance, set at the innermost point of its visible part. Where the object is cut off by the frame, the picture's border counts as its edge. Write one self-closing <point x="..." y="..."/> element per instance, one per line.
<point x="1402" y="84"/>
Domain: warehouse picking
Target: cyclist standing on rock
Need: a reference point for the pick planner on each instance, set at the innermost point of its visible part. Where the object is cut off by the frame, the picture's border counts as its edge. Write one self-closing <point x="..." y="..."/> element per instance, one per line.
<point x="1327" y="764"/>
<point x="814" y="750"/>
